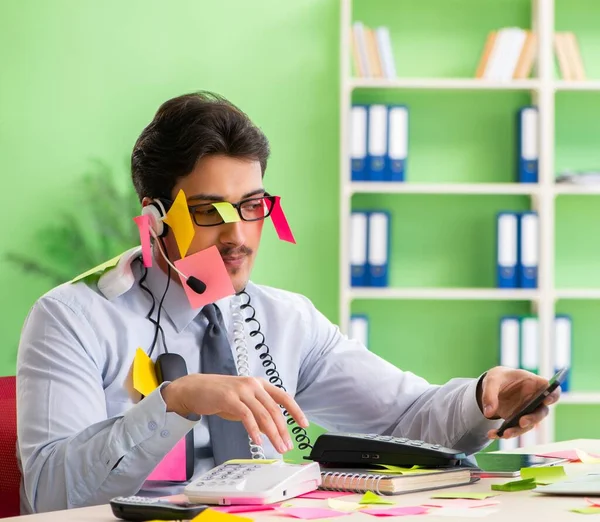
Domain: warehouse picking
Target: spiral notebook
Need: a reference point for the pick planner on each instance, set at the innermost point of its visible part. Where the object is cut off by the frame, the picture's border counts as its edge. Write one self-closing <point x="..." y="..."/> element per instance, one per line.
<point x="361" y="480"/>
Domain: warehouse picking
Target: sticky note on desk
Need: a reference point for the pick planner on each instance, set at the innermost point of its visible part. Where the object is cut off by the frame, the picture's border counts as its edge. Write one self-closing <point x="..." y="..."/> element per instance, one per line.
<point x="210" y="515"/>
<point x="371" y="498"/>
<point x="396" y="511"/>
<point x="466" y="494"/>
<point x="324" y="495"/>
<point x="344" y="505"/>
<point x="592" y="510"/>
<point x="310" y="513"/>
<point x="544" y="475"/>
<point x="515" y="485"/>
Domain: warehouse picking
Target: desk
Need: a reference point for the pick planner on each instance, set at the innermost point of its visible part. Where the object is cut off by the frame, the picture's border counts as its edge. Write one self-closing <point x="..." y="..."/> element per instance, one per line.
<point x="513" y="507"/>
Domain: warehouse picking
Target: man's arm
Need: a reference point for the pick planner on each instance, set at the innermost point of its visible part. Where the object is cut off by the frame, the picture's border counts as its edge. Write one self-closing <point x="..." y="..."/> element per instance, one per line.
<point x="72" y="454"/>
<point x="344" y="387"/>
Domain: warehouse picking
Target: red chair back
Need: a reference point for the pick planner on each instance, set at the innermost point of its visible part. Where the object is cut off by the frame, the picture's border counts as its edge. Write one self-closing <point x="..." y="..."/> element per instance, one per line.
<point x="10" y="476"/>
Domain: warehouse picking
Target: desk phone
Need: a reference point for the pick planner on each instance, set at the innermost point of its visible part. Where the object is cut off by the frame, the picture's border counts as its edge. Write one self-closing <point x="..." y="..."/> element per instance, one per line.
<point x="253" y="481"/>
<point x="359" y="449"/>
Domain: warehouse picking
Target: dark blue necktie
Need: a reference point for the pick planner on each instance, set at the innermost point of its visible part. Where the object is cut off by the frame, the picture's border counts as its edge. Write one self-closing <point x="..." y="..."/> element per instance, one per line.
<point x="229" y="439"/>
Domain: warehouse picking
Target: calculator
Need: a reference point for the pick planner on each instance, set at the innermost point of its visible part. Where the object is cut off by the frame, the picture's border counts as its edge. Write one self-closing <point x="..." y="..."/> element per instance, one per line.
<point x="252" y="481"/>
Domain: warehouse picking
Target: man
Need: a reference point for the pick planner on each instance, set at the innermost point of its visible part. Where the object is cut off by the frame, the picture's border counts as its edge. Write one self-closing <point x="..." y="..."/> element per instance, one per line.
<point x="85" y="437"/>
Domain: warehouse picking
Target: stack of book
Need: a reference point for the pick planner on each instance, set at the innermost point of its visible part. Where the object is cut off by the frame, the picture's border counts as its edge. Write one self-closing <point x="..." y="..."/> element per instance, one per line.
<point x="372" y="55"/>
<point x="568" y="56"/>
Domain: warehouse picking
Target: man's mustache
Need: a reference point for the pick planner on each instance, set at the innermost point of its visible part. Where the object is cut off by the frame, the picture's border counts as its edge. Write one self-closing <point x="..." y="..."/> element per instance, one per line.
<point x="235" y="252"/>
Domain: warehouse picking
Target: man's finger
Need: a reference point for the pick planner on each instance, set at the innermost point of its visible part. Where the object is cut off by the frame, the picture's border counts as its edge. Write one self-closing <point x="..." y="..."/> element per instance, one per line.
<point x="533" y="418"/>
<point x="277" y="415"/>
<point x="266" y="423"/>
<point x="553" y="397"/>
<point x="489" y="395"/>
<point x="242" y="412"/>
<point x="286" y="400"/>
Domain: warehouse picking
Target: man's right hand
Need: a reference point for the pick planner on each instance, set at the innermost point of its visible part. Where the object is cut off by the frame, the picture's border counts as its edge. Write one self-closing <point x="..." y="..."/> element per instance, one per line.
<point x="253" y="401"/>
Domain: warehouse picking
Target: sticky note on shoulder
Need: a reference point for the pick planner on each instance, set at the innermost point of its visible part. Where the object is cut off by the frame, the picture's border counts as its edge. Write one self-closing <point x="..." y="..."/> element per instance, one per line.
<point x="144" y="374"/>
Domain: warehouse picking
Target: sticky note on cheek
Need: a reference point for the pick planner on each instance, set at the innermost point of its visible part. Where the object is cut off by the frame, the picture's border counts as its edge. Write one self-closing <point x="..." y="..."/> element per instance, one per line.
<point x="180" y="221"/>
<point x="144" y="374"/>
<point x="280" y="222"/>
<point x="143" y="224"/>
<point x="227" y="212"/>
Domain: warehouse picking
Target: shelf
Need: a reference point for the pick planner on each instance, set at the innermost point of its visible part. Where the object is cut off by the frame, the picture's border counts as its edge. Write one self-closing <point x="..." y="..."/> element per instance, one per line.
<point x="444" y="83"/>
<point x="590" y="85"/>
<point x="442" y="188"/>
<point x="455" y="294"/>
<point x="578" y="293"/>
<point x="579" y="398"/>
<point x="582" y="190"/>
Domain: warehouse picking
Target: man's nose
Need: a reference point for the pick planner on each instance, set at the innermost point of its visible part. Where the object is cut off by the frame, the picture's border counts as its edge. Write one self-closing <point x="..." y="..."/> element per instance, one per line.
<point x="233" y="233"/>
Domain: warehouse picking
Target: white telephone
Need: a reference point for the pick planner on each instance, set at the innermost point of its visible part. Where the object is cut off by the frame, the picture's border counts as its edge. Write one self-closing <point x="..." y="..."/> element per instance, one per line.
<point x="253" y="481"/>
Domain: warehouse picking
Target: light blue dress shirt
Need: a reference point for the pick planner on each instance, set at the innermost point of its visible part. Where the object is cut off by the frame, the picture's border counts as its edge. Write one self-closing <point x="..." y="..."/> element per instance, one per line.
<point x="85" y="437"/>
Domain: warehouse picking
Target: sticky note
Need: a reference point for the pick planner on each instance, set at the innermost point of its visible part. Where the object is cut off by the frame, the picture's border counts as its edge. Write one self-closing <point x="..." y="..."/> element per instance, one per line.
<point x="574" y="455"/>
<point x="398" y="511"/>
<point x="464" y="513"/>
<point x="371" y="498"/>
<point x="207" y="265"/>
<point x="591" y="510"/>
<point x="173" y="464"/>
<point x="545" y="474"/>
<point x="310" y="513"/>
<point x="515" y="485"/>
<point x="586" y="458"/>
<point x="461" y="503"/>
<point x="398" y="470"/>
<point x="344" y="505"/>
<point x="323" y="495"/>
<point x="98" y="269"/>
<point x="179" y="219"/>
<point x="245" y="508"/>
<point x="211" y="515"/>
<point x="143" y="224"/>
<point x="466" y="494"/>
<point x="592" y="502"/>
<point x="228" y="213"/>
<point x="280" y="222"/>
<point x="144" y="375"/>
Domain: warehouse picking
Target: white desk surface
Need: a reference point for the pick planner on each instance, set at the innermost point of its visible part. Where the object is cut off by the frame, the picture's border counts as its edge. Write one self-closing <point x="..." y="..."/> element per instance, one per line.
<point x="514" y="507"/>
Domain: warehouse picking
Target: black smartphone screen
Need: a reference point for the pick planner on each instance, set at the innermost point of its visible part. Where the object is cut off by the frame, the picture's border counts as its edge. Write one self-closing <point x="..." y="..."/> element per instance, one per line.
<point x="534" y="403"/>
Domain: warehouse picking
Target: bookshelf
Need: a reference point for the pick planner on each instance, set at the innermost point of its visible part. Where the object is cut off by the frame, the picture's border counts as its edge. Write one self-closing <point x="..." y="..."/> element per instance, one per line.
<point x="490" y="303"/>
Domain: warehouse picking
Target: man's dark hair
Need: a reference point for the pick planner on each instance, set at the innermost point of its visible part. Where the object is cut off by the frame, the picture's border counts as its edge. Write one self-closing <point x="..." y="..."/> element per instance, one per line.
<point x="185" y="129"/>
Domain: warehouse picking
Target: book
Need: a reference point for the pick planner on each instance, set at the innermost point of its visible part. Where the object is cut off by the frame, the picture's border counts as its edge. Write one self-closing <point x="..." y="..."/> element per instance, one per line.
<point x="357" y="480"/>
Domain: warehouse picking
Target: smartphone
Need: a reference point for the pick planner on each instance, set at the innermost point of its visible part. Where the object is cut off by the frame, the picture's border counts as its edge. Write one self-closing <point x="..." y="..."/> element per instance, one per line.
<point x="138" y="508"/>
<point x="534" y="403"/>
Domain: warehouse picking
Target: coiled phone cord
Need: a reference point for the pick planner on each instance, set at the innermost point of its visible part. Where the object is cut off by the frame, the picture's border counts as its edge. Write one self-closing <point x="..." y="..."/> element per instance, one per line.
<point x="239" y="306"/>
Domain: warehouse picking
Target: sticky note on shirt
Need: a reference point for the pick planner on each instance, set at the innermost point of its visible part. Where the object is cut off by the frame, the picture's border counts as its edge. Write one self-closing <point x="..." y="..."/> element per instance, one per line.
<point x="179" y="219"/>
<point x="545" y="474"/>
<point x="227" y="212"/>
<point x="371" y="498"/>
<point x="143" y="224"/>
<point x="515" y="485"/>
<point x="144" y="374"/>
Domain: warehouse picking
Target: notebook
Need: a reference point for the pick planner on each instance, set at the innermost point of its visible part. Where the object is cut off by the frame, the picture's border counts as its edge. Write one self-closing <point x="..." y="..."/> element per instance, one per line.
<point x="361" y="480"/>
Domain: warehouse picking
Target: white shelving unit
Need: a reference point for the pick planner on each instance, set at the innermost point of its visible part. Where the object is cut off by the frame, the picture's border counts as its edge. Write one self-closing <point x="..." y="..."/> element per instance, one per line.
<point x="543" y="195"/>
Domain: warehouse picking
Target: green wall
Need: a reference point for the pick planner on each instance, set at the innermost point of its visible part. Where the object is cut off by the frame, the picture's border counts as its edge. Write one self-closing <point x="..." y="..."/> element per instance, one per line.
<point x="80" y="79"/>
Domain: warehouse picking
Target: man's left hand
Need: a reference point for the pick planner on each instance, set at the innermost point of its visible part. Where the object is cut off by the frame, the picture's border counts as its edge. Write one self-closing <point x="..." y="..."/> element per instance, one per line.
<point x="504" y="391"/>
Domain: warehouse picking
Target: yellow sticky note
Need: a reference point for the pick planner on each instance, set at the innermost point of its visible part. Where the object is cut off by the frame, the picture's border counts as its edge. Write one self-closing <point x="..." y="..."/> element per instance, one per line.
<point x="179" y="219"/>
<point x="210" y="515"/>
<point x="371" y="498"/>
<point x="344" y="505"/>
<point x="228" y="213"/>
<point x="144" y="375"/>
<point x="586" y="458"/>
<point x="100" y="268"/>
<point x="544" y="475"/>
<point x="587" y="510"/>
<point x="398" y="470"/>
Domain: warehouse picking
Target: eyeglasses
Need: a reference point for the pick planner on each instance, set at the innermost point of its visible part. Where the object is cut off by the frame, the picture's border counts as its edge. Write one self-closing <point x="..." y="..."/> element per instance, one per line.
<point x="251" y="209"/>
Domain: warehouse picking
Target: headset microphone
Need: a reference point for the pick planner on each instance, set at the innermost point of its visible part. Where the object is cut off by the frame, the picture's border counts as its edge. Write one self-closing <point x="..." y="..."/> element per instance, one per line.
<point x="196" y="285"/>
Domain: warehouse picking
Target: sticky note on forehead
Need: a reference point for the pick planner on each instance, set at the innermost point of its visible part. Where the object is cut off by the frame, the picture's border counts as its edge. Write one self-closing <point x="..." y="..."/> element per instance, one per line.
<point x="227" y="212"/>
<point x="179" y="219"/>
<point x="280" y="222"/>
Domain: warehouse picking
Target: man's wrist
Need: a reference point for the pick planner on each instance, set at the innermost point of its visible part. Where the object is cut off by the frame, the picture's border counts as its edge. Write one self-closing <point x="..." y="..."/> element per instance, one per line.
<point x="170" y="395"/>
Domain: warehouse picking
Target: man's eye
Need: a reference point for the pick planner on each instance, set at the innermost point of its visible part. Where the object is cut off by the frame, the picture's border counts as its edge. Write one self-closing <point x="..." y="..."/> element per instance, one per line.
<point x="206" y="211"/>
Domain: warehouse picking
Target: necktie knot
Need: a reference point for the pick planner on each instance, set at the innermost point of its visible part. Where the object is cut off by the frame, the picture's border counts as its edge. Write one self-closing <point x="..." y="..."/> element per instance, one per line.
<point x="215" y="319"/>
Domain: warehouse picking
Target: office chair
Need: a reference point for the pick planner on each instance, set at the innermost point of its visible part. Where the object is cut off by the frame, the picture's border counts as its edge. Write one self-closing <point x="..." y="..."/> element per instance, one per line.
<point x="10" y="476"/>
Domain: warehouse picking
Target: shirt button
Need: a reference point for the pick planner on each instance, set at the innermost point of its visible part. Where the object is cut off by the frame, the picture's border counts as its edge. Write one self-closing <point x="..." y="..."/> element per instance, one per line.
<point x="164" y="434"/>
<point x="152" y="425"/>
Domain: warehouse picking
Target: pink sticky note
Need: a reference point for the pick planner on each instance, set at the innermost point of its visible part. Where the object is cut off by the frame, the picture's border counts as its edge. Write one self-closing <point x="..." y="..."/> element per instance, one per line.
<point x="398" y="511"/>
<point x="592" y="502"/>
<point x="571" y="455"/>
<point x="207" y="265"/>
<point x="310" y="513"/>
<point x="324" y="495"/>
<point x="245" y="509"/>
<point x="280" y="222"/>
<point x="143" y="224"/>
<point x="461" y="503"/>
<point x="172" y="466"/>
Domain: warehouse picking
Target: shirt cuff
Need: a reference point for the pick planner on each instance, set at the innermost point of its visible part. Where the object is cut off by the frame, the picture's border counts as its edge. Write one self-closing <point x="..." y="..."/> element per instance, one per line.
<point x="472" y="416"/>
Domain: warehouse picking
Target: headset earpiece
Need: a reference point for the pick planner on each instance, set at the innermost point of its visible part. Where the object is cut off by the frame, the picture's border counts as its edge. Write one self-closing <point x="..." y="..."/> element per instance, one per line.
<point x="156" y="212"/>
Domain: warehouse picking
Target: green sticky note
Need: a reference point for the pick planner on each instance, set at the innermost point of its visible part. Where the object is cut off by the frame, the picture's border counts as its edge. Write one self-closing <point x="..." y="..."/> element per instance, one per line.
<point x="466" y="494"/>
<point x="371" y="498"/>
<point x="515" y="485"/>
<point x="592" y="510"/>
<point x="100" y="269"/>
<point x="544" y="475"/>
<point x="228" y="213"/>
